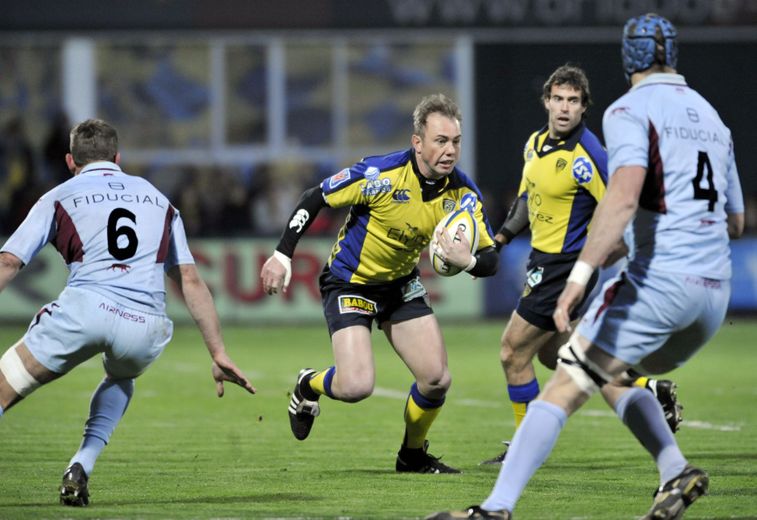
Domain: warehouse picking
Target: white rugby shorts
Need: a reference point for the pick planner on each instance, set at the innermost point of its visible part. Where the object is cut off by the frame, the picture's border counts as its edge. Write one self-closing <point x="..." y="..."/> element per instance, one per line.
<point x="82" y="323"/>
<point x="655" y="321"/>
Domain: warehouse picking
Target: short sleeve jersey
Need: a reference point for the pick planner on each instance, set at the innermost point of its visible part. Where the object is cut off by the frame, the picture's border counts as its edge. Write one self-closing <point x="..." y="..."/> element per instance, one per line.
<point x="394" y="211"/>
<point x="116" y="232"/>
<point x="691" y="181"/>
<point x="562" y="181"/>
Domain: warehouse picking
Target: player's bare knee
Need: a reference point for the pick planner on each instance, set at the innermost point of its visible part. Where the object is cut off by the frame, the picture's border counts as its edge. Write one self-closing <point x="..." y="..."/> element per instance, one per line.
<point x="436" y="386"/>
<point x="586" y="374"/>
<point x="355" y="390"/>
<point x="16" y="374"/>
<point x="355" y="396"/>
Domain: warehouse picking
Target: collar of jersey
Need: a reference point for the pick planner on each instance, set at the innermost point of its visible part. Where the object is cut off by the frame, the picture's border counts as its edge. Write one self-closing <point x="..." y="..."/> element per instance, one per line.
<point x="569" y="143"/>
<point x="657" y="78"/>
<point x="430" y="191"/>
<point x="99" y="167"/>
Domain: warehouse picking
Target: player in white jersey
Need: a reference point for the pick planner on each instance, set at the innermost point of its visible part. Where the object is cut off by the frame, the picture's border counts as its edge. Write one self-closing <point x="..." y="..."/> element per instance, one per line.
<point x="674" y="179"/>
<point x="118" y="235"/>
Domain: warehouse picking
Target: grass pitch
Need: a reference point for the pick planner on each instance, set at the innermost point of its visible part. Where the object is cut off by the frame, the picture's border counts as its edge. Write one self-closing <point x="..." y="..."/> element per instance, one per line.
<point x="182" y="453"/>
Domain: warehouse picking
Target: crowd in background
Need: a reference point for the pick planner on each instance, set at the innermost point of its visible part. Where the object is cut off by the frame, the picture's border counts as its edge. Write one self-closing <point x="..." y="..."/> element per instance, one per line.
<point x="215" y="201"/>
<point x="222" y="201"/>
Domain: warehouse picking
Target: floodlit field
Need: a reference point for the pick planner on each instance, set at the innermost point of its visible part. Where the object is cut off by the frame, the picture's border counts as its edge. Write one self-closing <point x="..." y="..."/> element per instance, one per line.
<point x="180" y="452"/>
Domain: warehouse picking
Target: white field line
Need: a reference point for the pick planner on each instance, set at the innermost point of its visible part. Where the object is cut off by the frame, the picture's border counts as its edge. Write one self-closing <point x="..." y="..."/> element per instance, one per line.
<point x="477" y="403"/>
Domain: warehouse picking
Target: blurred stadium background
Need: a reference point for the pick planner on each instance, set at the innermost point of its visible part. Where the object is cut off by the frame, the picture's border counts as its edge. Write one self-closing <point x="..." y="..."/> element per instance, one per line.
<point x="234" y="107"/>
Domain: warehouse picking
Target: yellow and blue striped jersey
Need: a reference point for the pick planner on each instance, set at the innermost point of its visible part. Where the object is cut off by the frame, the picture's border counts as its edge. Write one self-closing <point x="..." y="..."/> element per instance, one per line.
<point x="562" y="181"/>
<point x="393" y="215"/>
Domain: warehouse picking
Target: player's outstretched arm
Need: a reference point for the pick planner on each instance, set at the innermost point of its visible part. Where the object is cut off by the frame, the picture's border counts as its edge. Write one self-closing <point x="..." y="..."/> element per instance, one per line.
<point x="10" y="265"/>
<point x="277" y="271"/>
<point x="199" y="301"/>
<point x="612" y="215"/>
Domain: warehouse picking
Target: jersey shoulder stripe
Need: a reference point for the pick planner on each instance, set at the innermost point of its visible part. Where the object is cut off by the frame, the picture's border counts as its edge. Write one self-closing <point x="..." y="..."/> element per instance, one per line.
<point x="67" y="240"/>
<point x="596" y="151"/>
<point x="388" y="161"/>
<point x="369" y="168"/>
<point x="164" y="241"/>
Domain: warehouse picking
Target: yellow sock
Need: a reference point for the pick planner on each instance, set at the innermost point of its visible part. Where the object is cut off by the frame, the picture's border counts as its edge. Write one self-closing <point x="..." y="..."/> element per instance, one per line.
<point x="519" y="410"/>
<point x="520" y="396"/>
<point x="641" y="382"/>
<point x="321" y="381"/>
<point x="418" y="420"/>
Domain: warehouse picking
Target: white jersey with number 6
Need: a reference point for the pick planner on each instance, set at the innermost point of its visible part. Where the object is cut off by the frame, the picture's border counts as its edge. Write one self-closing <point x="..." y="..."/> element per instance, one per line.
<point x="691" y="182"/>
<point x="116" y="232"/>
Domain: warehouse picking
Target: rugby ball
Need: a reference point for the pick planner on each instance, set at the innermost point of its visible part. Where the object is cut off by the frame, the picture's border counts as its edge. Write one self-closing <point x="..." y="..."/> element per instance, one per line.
<point x="461" y="219"/>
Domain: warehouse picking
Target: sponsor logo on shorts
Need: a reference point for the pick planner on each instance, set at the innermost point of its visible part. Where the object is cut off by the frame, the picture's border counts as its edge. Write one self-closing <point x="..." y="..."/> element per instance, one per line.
<point x="704" y="282"/>
<point x="349" y="303"/>
<point x="413" y="289"/>
<point x="582" y="170"/>
<point x="339" y="178"/>
<point x="137" y="318"/>
<point x="533" y="278"/>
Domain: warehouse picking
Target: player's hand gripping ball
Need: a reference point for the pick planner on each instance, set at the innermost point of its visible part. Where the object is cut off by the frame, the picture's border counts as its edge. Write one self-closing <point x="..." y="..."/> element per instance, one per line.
<point x="460" y="219"/>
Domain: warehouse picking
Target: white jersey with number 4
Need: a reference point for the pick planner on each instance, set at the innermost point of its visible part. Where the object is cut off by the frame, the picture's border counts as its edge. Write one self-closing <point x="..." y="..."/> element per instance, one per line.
<point x="691" y="182"/>
<point x="116" y="232"/>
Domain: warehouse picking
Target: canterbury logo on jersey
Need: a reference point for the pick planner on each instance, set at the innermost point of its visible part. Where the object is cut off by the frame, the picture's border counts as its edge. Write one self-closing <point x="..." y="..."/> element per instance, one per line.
<point x="401" y="196"/>
<point x="356" y="304"/>
<point x="299" y="220"/>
